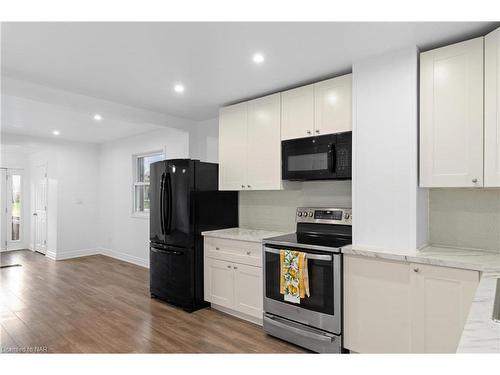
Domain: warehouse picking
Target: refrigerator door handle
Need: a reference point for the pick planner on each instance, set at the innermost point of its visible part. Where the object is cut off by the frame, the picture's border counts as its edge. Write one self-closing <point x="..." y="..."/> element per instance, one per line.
<point x="162" y="194"/>
<point x="169" y="202"/>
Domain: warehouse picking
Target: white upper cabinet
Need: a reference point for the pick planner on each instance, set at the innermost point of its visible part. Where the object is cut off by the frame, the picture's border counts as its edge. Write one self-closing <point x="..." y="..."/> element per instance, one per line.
<point x="297" y="112"/>
<point x="264" y="143"/>
<point x="451" y="115"/>
<point x="233" y="147"/>
<point x="249" y="145"/>
<point x="333" y="105"/>
<point x="492" y="109"/>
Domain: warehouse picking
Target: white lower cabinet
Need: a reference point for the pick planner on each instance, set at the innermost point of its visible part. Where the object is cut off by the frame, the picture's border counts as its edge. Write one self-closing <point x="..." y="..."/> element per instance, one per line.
<point x="233" y="277"/>
<point x="402" y="307"/>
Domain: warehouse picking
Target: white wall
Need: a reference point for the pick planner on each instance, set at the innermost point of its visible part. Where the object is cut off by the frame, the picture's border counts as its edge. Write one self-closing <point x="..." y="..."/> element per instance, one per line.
<point x="389" y="211"/>
<point x="120" y="234"/>
<point x="204" y="141"/>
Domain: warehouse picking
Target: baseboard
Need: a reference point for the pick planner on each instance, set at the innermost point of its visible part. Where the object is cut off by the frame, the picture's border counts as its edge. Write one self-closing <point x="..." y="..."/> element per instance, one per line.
<point x="51" y="255"/>
<point x="125" y="257"/>
<point x="76" y="254"/>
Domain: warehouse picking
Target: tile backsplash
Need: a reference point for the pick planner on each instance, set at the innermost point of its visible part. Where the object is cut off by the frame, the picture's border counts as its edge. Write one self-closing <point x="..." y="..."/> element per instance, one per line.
<point x="275" y="210"/>
<point x="465" y="218"/>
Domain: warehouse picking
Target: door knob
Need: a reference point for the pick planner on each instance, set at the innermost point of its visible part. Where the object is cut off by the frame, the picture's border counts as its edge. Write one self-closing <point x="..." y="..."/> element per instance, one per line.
<point x="474" y="180"/>
<point x="35" y="214"/>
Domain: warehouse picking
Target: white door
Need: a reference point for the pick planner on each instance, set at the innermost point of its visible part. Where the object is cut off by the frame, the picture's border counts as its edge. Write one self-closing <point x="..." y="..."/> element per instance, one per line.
<point x="264" y="143"/>
<point x="233" y="147"/>
<point x="297" y="112"/>
<point x="221" y="279"/>
<point x="492" y="109"/>
<point x="15" y="202"/>
<point x="441" y="298"/>
<point x="333" y="105"/>
<point x="40" y="209"/>
<point x="3" y="209"/>
<point x="248" y="290"/>
<point x="451" y="115"/>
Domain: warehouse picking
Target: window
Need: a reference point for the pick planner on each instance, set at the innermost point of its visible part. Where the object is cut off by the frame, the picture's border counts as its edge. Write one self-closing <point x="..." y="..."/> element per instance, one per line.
<point x="141" y="180"/>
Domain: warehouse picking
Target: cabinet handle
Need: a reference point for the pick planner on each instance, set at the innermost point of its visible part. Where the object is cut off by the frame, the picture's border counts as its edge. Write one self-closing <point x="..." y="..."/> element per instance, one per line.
<point x="243" y="186"/>
<point x="317" y="131"/>
<point x="248" y="186"/>
<point x="308" y="132"/>
<point x="416" y="269"/>
<point x="235" y="268"/>
<point x="248" y="253"/>
<point x="474" y="180"/>
<point x="217" y="248"/>
<point x="228" y="266"/>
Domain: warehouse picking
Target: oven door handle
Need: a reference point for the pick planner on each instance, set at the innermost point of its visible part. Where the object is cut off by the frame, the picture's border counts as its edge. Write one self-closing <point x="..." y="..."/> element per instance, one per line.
<point x="308" y="256"/>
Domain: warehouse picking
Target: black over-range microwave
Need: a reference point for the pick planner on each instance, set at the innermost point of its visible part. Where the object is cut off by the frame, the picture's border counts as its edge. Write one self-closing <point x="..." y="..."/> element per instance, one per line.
<point x="325" y="157"/>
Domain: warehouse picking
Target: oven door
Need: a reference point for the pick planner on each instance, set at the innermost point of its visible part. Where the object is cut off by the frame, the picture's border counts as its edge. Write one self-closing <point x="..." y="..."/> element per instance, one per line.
<point x="322" y="309"/>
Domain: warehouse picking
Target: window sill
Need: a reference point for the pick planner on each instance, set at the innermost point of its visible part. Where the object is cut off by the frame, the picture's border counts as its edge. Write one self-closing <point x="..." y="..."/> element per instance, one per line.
<point x="137" y="215"/>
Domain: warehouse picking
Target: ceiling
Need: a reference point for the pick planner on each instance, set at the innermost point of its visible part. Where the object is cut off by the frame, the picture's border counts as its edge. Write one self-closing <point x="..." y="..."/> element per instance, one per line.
<point x="138" y="64"/>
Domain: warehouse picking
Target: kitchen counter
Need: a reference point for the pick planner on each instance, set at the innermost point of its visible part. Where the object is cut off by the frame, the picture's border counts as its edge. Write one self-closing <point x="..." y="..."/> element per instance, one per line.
<point x="242" y="234"/>
<point x="477" y="260"/>
<point x="481" y="334"/>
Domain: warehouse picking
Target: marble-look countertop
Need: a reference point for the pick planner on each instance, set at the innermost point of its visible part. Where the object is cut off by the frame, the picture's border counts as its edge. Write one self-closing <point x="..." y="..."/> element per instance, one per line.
<point x="242" y="234"/>
<point x="477" y="260"/>
<point x="481" y="334"/>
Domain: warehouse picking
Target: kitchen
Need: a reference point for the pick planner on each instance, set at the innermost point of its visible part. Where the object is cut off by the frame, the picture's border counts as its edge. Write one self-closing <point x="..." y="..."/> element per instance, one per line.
<point x="354" y="175"/>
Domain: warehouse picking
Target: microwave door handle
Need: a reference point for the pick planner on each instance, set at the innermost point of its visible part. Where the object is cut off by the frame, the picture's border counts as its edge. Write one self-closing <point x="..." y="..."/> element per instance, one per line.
<point x="333" y="159"/>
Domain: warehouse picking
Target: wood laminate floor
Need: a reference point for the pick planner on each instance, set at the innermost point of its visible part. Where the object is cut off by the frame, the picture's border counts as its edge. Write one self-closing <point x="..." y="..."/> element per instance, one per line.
<point x="98" y="304"/>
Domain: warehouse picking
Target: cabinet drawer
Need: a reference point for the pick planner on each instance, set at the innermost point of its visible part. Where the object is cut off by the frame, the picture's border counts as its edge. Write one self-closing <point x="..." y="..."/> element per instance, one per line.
<point x="234" y="251"/>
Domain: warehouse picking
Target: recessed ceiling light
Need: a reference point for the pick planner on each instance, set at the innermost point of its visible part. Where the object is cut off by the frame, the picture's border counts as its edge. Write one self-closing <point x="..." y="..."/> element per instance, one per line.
<point x="56" y="132"/>
<point x="258" y="58"/>
<point x="97" y="117"/>
<point x="179" y="88"/>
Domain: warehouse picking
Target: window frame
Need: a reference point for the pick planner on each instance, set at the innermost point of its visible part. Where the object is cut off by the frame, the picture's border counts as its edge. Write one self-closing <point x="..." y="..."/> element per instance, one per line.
<point x="135" y="181"/>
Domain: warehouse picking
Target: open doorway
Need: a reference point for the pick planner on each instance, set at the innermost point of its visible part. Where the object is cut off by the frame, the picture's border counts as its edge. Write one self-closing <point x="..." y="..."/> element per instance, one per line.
<point x="12" y="228"/>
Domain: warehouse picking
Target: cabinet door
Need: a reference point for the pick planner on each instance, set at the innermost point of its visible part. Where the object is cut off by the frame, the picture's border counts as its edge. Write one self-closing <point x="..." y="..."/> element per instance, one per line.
<point x="221" y="281"/>
<point x="492" y="109"/>
<point x="297" y="112"/>
<point x="248" y="290"/>
<point x="264" y="143"/>
<point x="451" y="115"/>
<point x="442" y="298"/>
<point x="377" y="305"/>
<point x="333" y="105"/>
<point x="233" y="147"/>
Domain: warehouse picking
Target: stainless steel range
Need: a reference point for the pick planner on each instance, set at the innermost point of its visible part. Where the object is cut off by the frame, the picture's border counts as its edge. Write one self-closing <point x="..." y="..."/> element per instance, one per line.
<point x="316" y="322"/>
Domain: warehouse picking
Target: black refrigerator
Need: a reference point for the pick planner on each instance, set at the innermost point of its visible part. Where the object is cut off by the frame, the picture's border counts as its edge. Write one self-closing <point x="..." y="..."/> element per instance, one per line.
<point x="184" y="201"/>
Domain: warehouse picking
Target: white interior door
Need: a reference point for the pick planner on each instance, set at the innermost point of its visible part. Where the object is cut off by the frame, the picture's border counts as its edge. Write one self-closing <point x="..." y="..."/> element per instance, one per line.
<point x="15" y="202"/>
<point x="40" y="209"/>
<point x="3" y="209"/>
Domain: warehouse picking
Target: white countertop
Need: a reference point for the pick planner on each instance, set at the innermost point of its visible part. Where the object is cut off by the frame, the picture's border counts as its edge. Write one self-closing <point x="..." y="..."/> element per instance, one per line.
<point x="242" y="234"/>
<point x="477" y="260"/>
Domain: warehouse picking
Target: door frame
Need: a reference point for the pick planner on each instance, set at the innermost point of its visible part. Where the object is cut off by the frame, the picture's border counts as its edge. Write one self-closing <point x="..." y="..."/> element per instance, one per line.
<point x="34" y="182"/>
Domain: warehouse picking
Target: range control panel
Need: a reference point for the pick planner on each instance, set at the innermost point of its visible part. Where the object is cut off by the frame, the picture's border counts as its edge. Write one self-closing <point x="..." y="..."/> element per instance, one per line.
<point x="324" y="215"/>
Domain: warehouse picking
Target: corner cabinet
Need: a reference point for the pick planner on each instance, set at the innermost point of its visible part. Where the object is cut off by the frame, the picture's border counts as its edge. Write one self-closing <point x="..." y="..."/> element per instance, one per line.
<point x="401" y="307"/>
<point x="451" y="115"/>
<point x="321" y="108"/>
<point x="233" y="277"/>
<point x="492" y="109"/>
<point x="249" y="138"/>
